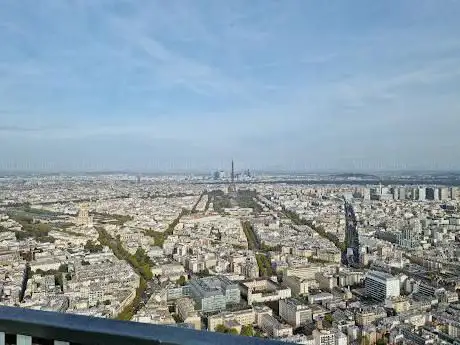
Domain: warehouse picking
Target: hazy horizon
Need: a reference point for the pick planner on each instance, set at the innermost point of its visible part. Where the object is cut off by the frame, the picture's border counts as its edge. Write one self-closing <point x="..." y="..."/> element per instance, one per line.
<point x="147" y="86"/>
<point x="210" y="172"/>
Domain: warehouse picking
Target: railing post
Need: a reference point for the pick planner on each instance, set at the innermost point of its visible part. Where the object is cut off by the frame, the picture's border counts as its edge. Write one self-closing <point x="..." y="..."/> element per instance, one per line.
<point x="2" y="338"/>
<point x="23" y="339"/>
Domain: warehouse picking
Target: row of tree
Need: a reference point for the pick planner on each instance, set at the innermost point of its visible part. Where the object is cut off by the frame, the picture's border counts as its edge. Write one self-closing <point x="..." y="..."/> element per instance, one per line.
<point x="160" y="237"/>
<point x="193" y="210"/>
<point x="320" y="230"/>
<point x="31" y="228"/>
<point x="246" y="198"/>
<point x="220" y="203"/>
<point x="265" y="266"/>
<point x="139" y="261"/>
<point x="129" y="311"/>
<point x="142" y="266"/>
<point x="120" y="219"/>
<point x="331" y="237"/>
<point x="246" y="330"/>
<point x="253" y="242"/>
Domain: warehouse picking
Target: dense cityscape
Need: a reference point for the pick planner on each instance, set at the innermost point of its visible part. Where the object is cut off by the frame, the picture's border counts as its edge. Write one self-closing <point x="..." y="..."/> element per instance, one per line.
<point x="330" y="260"/>
<point x="229" y="172"/>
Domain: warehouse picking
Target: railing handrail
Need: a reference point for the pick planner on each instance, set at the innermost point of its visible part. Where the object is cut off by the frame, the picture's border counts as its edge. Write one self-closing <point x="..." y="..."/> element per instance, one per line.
<point x="92" y="330"/>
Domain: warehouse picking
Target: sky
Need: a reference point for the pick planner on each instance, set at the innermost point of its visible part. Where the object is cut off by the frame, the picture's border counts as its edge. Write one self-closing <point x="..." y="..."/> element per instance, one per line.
<point x="307" y="85"/>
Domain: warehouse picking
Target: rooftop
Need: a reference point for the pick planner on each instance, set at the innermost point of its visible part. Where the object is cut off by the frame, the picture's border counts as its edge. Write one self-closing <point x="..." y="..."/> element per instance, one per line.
<point x="381" y="275"/>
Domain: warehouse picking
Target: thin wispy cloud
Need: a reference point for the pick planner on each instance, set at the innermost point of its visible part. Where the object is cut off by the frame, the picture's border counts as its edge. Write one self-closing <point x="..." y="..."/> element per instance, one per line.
<point x="271" y="84"/>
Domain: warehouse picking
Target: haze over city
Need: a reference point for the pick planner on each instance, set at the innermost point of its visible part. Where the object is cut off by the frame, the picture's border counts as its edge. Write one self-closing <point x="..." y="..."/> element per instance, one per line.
<point x="279" y="85"/>
<point x="229" y="172"/>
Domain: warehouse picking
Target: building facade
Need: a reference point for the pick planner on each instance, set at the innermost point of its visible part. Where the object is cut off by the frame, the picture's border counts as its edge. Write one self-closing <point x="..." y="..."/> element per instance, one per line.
<point x="294" y="313"/>
<point x="214" y="293"/>
<point x="380" y="285"/>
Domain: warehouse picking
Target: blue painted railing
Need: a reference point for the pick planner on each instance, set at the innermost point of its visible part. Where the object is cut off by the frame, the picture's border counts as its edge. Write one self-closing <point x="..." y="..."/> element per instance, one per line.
<point x="83" y="330"/>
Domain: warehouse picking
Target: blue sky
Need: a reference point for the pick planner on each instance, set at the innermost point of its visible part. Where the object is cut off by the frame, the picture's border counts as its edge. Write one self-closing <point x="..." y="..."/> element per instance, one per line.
<point x="189" y="85"/>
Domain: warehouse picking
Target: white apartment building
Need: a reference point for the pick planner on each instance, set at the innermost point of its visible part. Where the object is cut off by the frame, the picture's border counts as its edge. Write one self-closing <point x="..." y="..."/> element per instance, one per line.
<point x="297" y="285"/>
<point x="185" y="308"/>
<point x="341" y="338"/>
<point x="324" y="337"/>
<point x="243" y="317"/>
<point x="263" y="290"/>
<point x="307" y="272"/>
<point x="329" y="337"/>
<point x="381" y="285"/>
<point x="95" y="296"/>
<point x="294" y="313"/>
<point x="454" y="329"/>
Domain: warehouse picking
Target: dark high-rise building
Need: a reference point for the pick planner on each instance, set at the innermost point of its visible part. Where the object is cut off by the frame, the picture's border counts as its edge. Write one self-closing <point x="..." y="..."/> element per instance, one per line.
<point x="350" y="256"/>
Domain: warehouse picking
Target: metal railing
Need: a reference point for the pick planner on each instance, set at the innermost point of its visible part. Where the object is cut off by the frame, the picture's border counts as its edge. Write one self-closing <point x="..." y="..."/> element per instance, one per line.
<point x="78" y="329"/>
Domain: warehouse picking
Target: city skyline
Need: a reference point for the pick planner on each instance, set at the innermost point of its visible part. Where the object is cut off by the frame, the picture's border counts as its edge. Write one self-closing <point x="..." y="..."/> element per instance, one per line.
<point x="285" y="86"/>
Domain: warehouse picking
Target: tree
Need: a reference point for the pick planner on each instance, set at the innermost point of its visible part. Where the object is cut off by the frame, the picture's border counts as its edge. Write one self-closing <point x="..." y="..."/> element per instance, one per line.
<point x="140" y="255"/>
<point x="204" y="273"/>
<point x="381" y="341"/>
<point x="146" y="271"/>
<point x="63" y="268"/>
<point x="93" y="247"/>
<point x="232" y="331"/>
<point x="181" y="281"/>
<point x="365" y="340"/>
<point x="221" y="329"/>
<point x="27" y="206"/>
<point x="258" y="333"/>
<point x="328" y="318"/>
<point x="265" y="266"/>
<point x="58" y="279"/>
<point x="247" y="330"/>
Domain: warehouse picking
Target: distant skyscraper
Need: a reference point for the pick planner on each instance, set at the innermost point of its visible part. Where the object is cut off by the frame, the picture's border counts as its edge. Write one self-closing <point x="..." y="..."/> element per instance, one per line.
<point x="422" y="194"/>
<point x="385" y="193"/>
<point x="444" y="193"/>
<point x="402" y="193"/>
<point x="367" y="194"/>
<point x="430" y="193"/>
<point x="435" y="193"/>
